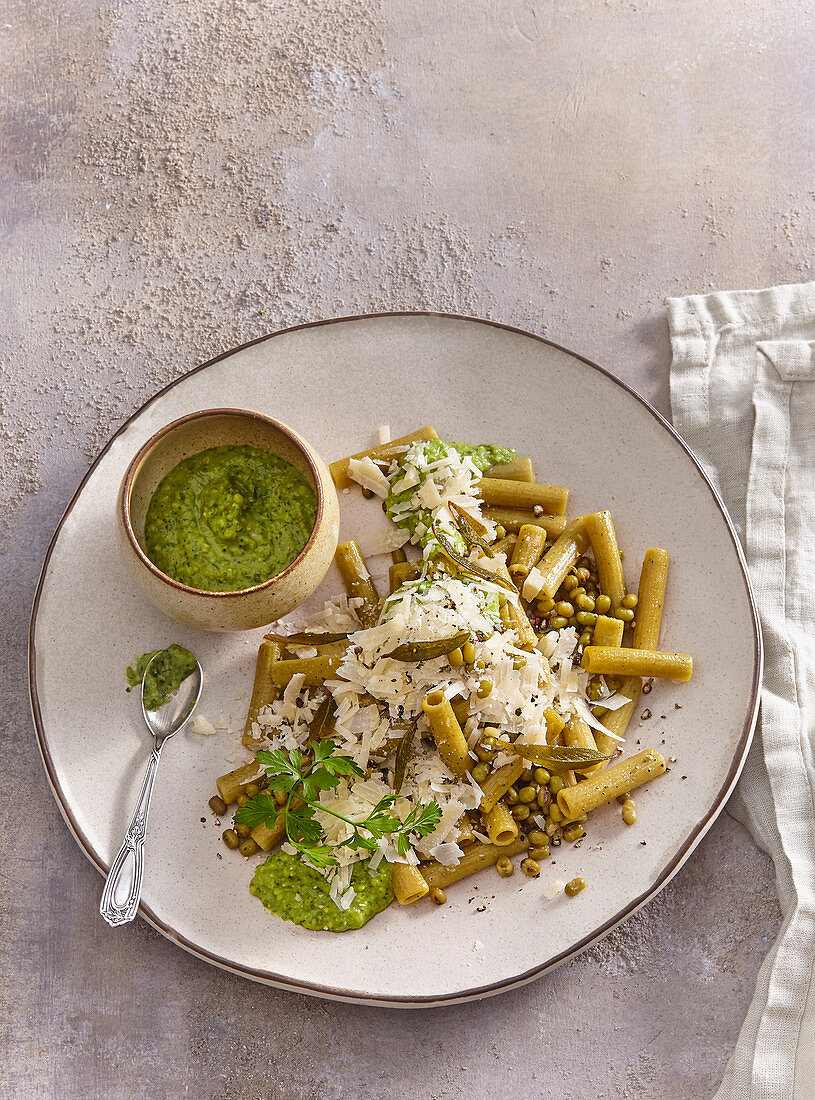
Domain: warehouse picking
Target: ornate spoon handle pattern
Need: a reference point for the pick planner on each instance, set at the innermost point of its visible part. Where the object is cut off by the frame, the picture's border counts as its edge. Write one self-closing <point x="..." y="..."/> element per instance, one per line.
<point x="120" y="897"/>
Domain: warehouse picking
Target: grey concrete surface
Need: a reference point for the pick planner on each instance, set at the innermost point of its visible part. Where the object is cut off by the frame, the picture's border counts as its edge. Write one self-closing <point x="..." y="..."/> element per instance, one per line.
<point x="179" y="177"/>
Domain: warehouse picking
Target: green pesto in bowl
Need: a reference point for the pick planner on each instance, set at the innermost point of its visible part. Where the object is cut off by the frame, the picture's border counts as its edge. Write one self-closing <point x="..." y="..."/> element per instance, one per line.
<point x="229" y="518"/>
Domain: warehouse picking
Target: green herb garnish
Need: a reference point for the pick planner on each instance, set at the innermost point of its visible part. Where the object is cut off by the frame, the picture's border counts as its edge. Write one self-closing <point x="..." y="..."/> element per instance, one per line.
<point x="302" y="778"/>
<point x="322" y="725"/>
<point x="554" y="757"/>
<point x="468" y="530"/>
<point x="426" y="651"/>
<point x="468" y="566"/>
<point x="402" y="757"/>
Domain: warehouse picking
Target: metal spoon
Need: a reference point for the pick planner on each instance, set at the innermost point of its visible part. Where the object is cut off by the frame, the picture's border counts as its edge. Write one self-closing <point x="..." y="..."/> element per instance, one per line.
<point x="120" y="897"/>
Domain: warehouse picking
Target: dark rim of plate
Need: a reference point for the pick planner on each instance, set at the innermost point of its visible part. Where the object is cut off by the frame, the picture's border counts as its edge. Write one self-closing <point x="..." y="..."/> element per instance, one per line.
<point x="358" y="995"/>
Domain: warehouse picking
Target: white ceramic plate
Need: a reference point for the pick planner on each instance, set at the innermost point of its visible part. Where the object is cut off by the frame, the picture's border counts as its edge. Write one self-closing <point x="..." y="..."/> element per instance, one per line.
<point x="337" y="382"/>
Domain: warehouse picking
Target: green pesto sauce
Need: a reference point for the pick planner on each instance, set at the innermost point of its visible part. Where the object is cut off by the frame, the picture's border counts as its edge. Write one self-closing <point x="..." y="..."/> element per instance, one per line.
<point x="171" y="668"/>
<point x="483" y="455"/>
<point x="298" y="893"/>
<point x="229" y="518"/>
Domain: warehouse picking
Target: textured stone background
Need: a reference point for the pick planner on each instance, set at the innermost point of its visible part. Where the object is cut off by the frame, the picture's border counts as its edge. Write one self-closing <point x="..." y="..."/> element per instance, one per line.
<point x="179" y="177"/>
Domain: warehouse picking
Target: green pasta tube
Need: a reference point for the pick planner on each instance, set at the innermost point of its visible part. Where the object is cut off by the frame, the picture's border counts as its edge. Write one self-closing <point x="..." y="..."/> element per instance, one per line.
<point x="608" y="631"/>
<point x="402" y="571"/>
<point x="358" y="582"/>
<point x="229" y="785"/>
<point x="578" y="733"/>
<point x="554" y="725"/>
<point x="444" y="726"/>
<point x="315" y="670"/>
<point x="513" y="617"/>
<point x="501" y="826"/>
<point x="520" y="469"/>
<point x="603" y="540"/>
<point x="465" y="833"/>
<point x="608" y="661"/>
<point x="408" y="883"/>
<point x="513" y="519"/>
<point x="616" y="721"/>
<point x="476" y="859"/>
<point x="267" y="838"/>
<point x="497" y="783"/>
<point x="650" y="598"/>
<point x="528" y="550"/>
<point x="588" y="794"/>
<point x="561" y="557"/>
<point x="264" y="689"/>
<point x="523" y="494"/>
<point x="340" y="469"/>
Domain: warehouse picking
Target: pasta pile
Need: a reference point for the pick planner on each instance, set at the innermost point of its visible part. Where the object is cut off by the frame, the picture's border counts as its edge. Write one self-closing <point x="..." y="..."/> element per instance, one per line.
<point x="497" y="677"/>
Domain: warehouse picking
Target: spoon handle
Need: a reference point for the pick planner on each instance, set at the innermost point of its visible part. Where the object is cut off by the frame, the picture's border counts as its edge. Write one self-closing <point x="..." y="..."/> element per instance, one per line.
<point x="120" y="897"/>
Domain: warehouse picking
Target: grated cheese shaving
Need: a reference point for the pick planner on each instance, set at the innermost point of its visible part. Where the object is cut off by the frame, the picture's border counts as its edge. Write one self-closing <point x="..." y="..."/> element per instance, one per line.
<point x="367" y="474"/>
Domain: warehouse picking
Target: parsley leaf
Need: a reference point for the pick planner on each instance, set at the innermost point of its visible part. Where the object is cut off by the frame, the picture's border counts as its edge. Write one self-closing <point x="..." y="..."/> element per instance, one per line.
<point x="260" y="810"/>
<point x="302" y="778"/>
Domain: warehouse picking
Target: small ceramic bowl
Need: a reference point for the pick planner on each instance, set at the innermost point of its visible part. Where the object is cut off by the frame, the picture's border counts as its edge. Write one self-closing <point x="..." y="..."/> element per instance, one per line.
<point x="248" y="607"/>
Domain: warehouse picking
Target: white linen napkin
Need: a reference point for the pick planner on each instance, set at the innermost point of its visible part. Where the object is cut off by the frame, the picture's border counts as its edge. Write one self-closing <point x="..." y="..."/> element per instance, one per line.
<point x="743" y="396"/>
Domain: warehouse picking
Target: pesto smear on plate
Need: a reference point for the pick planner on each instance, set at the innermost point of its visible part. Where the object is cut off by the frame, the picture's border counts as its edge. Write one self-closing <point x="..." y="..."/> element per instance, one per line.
<point x="165" y="676"/>
<point x="229" y="518"/>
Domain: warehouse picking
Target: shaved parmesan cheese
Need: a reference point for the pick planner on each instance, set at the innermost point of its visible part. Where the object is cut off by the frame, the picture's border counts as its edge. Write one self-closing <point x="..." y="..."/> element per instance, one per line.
<point x="367" y="474"/>
<point x="565" y="645"/>
<point x="613" y="702"/>
<point x="385" y="434"/>
<point x="384" y="542"/>
<point x="554" y="888"/>
<point x="347" y="898"/>
<point x="547" y="642"/>
<point x="429" y="495"/>
<point x="582" y="708"/>
<point x="533" y="583"/>
<point x="202" y="726"/>
<point x="447" y="854"/>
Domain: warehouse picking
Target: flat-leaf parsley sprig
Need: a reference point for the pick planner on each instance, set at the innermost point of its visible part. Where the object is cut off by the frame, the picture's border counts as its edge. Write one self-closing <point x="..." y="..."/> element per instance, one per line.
<point x="301" y="778"/>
